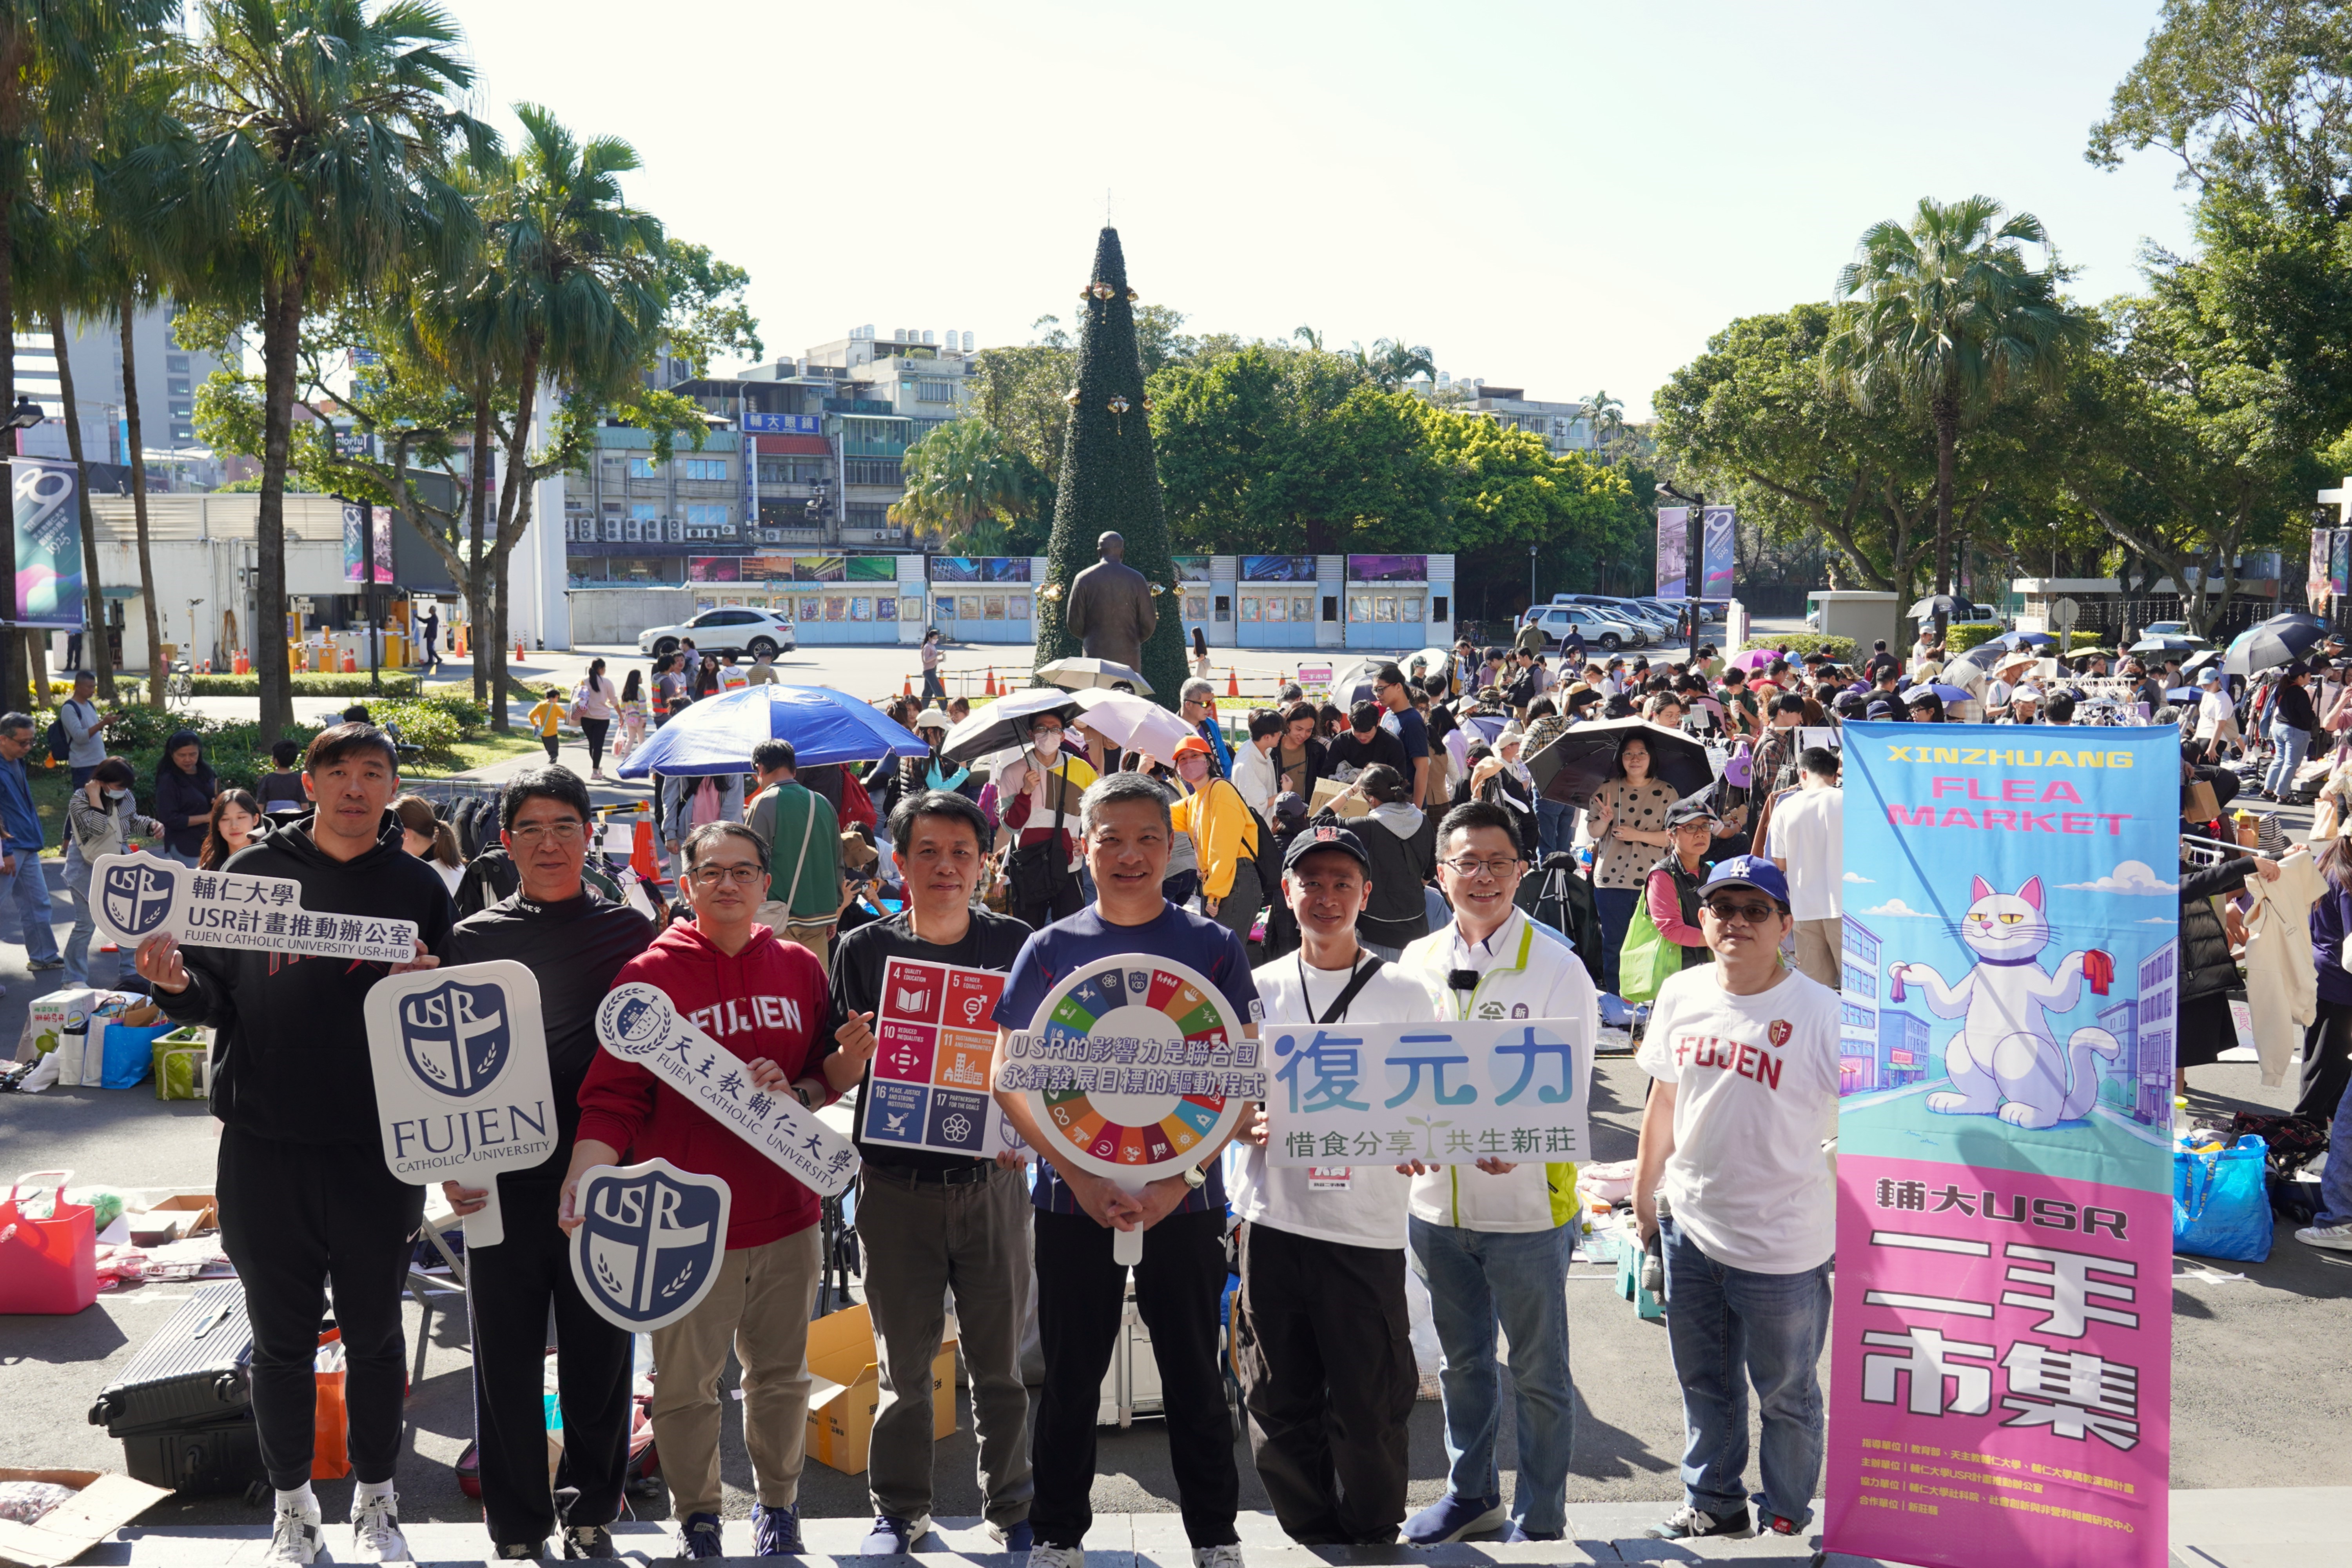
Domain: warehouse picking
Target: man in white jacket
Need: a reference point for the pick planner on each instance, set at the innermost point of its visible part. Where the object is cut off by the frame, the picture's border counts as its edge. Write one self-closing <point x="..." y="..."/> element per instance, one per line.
<point x="1490" y="1241"/>
<point x="1253" y="771"/>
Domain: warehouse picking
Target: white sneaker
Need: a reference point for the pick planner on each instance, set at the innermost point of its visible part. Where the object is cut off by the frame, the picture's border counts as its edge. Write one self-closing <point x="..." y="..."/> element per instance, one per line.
<point x="1226" y="1556"/>
<point x="2335" y="1237"/>
<point x="375" y="1530"/>
<point x="1044" y="1556"/>
<point x="294" y="1538"/>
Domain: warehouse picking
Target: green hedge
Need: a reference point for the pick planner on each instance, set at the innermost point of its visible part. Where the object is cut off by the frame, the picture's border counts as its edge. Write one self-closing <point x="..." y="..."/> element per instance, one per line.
<point x="1961" y="638"/>
<point x="1799" y="644"/>
<point x="234" y="747"/>
<point x="309" y="684"/>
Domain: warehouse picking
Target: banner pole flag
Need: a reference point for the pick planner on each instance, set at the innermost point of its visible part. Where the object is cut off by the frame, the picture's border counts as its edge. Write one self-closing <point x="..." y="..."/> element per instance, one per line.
<point x="2001" y="1384"/>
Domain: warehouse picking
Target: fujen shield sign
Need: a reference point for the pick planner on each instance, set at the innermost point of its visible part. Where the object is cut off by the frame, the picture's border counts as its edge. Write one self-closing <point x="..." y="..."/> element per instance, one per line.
<point x="136" y="896"/>
<point x="462" y="1088"/>
<point x="650" y="1242"/>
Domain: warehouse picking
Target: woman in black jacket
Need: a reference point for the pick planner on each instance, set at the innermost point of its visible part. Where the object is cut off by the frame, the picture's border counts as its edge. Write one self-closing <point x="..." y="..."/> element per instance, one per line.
<point x="2291" y="721"/>
<point x="2207" y="973"/>
<point x="1401" y="856"/>
<point x="184" y="788"/>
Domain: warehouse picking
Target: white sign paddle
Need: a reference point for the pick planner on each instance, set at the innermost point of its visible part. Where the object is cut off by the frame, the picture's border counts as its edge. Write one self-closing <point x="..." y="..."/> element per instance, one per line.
<point x="133" y="897"/>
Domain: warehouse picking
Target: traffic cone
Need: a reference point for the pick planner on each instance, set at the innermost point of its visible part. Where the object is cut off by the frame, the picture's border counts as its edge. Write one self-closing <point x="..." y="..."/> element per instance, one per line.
<point x="1232" y="681"/>
<point x="520" y="656"/>
<point x="642" y="859"/>
<point x="992" y="681"/>
<point x="350" y="664"/>
<point x="906" y="686"/>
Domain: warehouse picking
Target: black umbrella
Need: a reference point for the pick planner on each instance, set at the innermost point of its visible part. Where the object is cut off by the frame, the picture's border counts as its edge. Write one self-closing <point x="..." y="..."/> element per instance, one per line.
<point x="2163" y="644"/>
<point x="2272" y="644"/>
<point x="1926" y="608"/>
<point x="1585" y="757"/>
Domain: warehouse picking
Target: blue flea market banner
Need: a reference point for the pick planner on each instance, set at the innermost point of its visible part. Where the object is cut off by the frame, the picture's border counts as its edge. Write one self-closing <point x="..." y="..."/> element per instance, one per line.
<point x="2001" y="1379"/>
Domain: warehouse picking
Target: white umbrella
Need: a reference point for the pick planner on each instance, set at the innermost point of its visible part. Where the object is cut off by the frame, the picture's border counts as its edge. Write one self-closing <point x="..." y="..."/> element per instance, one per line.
<point x="1004" y="724"/>
<point x="1079" y="674"/>
<point x="1133" y="724"/>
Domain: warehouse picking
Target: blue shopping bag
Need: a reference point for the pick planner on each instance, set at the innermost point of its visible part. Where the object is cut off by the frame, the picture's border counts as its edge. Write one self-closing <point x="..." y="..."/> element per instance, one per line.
<point x="2220" y="1202"/>
<point x="128" y="1053"/>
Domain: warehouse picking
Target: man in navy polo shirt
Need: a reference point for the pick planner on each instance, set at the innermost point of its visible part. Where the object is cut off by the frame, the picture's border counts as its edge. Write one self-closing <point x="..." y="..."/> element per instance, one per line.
<point x="1080" y="1291"/>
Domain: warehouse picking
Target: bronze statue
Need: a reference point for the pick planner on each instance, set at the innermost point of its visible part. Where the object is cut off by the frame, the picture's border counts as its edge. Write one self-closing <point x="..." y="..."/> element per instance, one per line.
<point x="1109" y="609"/>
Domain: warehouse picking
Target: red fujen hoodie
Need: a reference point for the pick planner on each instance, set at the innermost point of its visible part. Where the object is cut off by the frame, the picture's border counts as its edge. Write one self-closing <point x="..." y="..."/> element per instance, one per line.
<point x="766" y="1001"/>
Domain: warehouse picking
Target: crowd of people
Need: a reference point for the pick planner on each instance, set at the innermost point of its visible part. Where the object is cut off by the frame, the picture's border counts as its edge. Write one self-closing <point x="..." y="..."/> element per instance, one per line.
<point x="1393" y="862"/>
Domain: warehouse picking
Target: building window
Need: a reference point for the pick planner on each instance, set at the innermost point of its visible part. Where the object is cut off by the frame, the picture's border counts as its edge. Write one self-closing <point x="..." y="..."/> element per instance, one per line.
<point x="708" y="522"/>
<point x="178" y="385"/>
<point x="183" y="432"/>
<point x="873" y="471"/>
<point x="644" y="468"/>
<point x="181" y="408"/>
<point x="861" y="514"/>
<point x="175" y="364"/>
<point x="935" y="392"/>
<point x="701" y="468"/>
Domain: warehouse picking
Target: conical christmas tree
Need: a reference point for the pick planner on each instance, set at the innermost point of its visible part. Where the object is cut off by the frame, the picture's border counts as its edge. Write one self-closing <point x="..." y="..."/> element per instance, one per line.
<point x="1111" y="477"/>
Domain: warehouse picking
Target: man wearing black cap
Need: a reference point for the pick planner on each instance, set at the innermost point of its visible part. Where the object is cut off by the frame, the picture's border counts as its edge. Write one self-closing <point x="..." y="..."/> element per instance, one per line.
<point x="1319" y="1333"/>
<point x="1743" y="1058"/>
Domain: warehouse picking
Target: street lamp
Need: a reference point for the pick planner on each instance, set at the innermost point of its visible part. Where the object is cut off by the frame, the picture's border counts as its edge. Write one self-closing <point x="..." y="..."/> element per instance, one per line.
<point x="1531" y="578"/>
<point x="28" y="415"/>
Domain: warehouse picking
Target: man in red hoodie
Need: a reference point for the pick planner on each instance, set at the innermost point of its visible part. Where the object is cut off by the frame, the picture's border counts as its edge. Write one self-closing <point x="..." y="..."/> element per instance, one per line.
<point x="764" y="1000"/>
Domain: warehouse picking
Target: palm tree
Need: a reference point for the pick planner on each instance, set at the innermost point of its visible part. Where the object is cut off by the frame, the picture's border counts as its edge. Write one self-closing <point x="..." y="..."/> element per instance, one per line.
<point x="966" y="485"/>
<point x="54" y="55"/>
<point x="1606" y="415"/>
<point x="570" y="293"/>
<point x="1947" y="315"/>
<point x="1391" y="362"/>
<point x="320" y="136"/>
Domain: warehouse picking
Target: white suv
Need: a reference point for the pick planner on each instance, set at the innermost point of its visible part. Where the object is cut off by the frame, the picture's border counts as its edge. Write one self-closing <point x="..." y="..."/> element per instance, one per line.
<point x="1598" y="630"/>
<point x="729" y="628"/>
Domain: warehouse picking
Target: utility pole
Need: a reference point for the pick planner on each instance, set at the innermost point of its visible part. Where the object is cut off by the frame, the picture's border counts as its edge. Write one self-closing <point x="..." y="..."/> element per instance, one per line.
<point x="1694" y="563"/>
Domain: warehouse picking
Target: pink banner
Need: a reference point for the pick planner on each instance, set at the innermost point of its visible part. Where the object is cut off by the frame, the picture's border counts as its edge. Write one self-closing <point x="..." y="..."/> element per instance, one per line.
<point x="2000" y="1392"/>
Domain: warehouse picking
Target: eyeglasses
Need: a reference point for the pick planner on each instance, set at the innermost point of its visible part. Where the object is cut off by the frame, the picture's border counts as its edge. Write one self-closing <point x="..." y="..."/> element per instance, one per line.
<point x="1470" y="868"/>
<point x="733" y="875"/>
<point x="1728" y="910"/>
<point x="538" y="832"/>
<point x="1043" y="733"/>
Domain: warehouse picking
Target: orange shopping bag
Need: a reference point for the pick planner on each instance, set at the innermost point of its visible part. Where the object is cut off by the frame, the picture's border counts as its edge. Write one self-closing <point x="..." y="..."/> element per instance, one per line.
<point x="331" y="1455"/>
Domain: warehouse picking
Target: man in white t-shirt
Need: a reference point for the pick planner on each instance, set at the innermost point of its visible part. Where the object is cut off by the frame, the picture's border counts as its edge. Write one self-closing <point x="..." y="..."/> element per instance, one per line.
<point x="1320" y="1335"/>
<point x="1808" y="844"/>
<point x="1743" y="1058"/>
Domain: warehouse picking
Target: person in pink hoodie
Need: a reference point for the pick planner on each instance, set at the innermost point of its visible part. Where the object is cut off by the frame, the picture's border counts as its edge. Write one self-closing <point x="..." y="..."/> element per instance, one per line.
<point x="764" y="1000"/>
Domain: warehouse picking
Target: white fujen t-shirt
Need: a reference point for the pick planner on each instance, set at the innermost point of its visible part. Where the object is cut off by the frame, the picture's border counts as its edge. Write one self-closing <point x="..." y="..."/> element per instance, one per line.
<point x="1809" y="833"/>
<point x="1756" y="1092"/>
<point x="1356" y="1206"/>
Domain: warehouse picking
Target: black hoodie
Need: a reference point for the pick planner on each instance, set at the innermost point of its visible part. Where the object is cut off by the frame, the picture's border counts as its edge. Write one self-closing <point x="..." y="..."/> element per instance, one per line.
<point x="291" y="1058"/>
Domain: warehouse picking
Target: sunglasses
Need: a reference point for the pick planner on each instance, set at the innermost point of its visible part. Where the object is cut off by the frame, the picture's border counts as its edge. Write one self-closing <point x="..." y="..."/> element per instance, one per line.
<point x="1742" y="910"/>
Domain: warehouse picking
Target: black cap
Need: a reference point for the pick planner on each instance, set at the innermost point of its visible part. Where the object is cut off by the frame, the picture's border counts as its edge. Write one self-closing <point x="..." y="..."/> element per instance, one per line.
<point x="1325" y="836"/>
<point x="1690" y="808"/>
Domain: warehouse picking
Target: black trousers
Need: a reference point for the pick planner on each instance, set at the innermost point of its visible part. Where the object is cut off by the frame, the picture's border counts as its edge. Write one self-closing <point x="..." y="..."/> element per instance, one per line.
<point x="1081" y="1296"/>
<point x="594" y="729"/>
<point x="1068" y="900"/>
<point x="509" y="1290"/>
<point x="1325" y="1348"/>
<point x="2327" y="1061"/>
<point x="295" y="1219"/>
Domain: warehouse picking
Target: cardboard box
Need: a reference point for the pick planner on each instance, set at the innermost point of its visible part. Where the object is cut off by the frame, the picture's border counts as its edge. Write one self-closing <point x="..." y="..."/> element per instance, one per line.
<point x="102" y="1505"/>
<point x="847" y="1389"/>
<point x="1328" y="791"/>
<point x="176" y="1218"/>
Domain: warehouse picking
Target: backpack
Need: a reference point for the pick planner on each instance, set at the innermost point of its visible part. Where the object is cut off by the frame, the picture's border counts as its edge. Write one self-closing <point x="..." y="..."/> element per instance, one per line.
<point x="856" y="805"/>
<point x="1269" y="857"/>
<point x="55" y="738"/>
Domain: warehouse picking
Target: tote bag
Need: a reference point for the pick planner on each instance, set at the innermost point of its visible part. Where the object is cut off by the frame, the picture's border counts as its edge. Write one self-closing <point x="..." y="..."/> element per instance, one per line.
<point x="48" y="1264"/>
<point x="1647" y="957"/>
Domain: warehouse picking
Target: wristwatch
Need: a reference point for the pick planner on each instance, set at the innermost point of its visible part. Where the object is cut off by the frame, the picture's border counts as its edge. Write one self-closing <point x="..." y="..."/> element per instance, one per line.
<point x="1195" y="1178"/>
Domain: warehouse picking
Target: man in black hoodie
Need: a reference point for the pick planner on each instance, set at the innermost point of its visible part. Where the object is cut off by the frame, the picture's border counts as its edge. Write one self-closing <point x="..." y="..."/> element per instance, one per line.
<point x="305" y="1198"/>
<point x="575" y="941"/>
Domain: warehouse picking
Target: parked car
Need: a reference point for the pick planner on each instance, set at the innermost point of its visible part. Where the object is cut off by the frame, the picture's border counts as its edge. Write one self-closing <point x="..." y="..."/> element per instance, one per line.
<point x="729" y="628"/>
<point x="1598" y="630"/>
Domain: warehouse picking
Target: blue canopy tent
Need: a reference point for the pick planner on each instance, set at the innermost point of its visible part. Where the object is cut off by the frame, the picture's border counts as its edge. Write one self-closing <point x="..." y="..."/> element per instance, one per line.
<point x="717" y="734"/>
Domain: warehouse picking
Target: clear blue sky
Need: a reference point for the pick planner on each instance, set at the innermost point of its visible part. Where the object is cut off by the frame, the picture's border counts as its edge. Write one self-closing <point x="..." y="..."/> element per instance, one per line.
<point x="1560" y="196"/>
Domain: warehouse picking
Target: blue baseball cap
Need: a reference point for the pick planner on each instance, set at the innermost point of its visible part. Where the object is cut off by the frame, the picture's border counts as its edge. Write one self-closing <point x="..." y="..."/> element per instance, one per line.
<point x="1749" y="871"/>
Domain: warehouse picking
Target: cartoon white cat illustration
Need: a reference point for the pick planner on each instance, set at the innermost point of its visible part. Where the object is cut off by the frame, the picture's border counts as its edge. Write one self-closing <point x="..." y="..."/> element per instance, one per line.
<point x="2005" y="1060"/>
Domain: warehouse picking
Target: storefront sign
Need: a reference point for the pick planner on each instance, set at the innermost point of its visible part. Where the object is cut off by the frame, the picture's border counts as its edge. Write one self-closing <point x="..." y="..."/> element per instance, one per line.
<point x="1277" y="569"/>
<point x="2000" y="1377"/>
<point x="784" y="424"/>
<point x="928" y="1084"/>
<point x="1452" y="1093"/>
<point x="134" y="897"/>
<point x="637" y="1023"/>
<point x="1387" y="568"/>
<point x="462" y="1089"/>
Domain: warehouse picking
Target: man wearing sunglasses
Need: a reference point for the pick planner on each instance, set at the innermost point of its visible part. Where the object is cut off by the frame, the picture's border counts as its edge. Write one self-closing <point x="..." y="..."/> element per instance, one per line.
<point x="1743" y="1058"/>
<point x="1487" y="1240"/>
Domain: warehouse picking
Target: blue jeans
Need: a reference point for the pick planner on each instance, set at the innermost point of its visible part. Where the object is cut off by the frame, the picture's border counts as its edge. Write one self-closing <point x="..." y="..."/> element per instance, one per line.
<point x="2291" y="744"/>
<point x="29" y="891"/>
<point x="2335" y="1177"/>
<point x="1616" y="910"/>
<point x="1729" y="1327"/>
<point x="84" y="926"/>
<point x="1555" y="827"/>
<point x="1477" y="1279"/>
<point x="185" y="857"/>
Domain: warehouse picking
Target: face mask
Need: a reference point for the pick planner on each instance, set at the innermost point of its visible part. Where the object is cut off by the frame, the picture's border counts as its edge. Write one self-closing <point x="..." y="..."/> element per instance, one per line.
<point x="117" y="794"/>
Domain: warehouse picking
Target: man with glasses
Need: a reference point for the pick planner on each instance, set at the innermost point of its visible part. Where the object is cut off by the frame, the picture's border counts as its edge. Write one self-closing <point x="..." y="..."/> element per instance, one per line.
<point x="764" y="1002"/>
<point x="800" y="833"/>
<point x="575" y="941"/>
<point x="1038" y="794"/>
<point x="1200" y="702"/>
<point x="1492" y="1242"/>
<point x="1743" y="1058"/>
<point x="20" y="856"/>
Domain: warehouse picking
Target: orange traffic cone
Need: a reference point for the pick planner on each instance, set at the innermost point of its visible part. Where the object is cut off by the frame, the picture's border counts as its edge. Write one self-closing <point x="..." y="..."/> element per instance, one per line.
<point x="992" y="681"/>
<point x="641" y="852"/>
<point x="906" y="686"/>
<point x="350" y="664"/>
<point x="1232" y="681"/>
<point x="519" y="653"/>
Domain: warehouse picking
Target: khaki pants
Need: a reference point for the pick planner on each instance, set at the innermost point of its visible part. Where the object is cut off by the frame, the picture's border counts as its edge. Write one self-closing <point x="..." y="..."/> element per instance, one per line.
<point x="816" y="936"/>
<point x="922" y="1239"/>
<point x="761" y="1304"/>
<point x="1818" y="944"/>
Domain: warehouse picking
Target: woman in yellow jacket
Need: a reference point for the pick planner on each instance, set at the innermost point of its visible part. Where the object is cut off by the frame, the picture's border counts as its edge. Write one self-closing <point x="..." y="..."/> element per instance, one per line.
<point x="1224" y="839"/>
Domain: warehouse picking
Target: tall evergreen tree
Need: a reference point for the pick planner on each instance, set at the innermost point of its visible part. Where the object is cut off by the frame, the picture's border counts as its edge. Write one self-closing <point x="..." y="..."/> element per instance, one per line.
<point x="1111" y="477"/>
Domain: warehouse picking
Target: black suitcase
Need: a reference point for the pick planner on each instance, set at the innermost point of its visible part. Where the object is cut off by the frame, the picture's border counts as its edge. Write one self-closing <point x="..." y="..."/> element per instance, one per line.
<point x="219" y="1457"/>
<point x="197" y="1371"/>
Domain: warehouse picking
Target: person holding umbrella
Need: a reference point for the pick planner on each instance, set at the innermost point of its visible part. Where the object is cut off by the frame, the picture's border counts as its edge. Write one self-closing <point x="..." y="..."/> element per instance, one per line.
<point x="1039" y="791"/>
<point x="1629" y="828"/>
